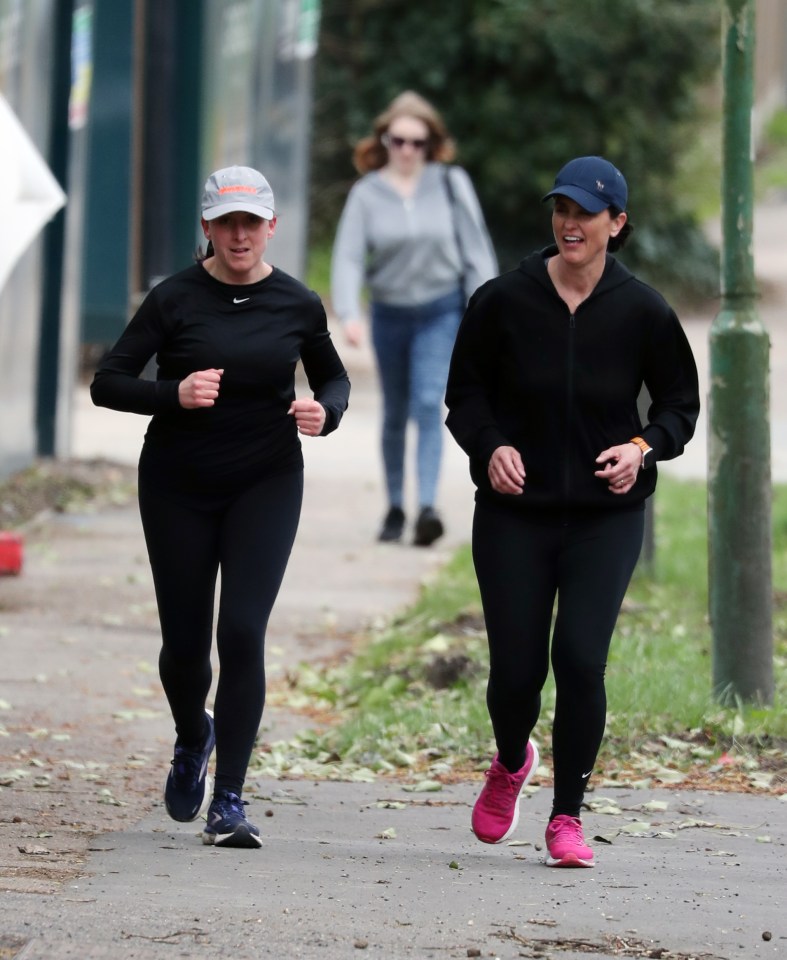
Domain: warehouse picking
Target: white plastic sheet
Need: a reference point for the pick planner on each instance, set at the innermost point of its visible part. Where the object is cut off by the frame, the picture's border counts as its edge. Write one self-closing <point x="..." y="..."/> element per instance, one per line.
<point x="29" y="193"/>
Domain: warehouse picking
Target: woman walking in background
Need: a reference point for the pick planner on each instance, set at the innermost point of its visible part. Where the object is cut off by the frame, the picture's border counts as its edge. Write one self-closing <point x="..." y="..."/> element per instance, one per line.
<point x="413" y="233"/>
<point x="221" y="477"/>
<point x="542" y="395"/>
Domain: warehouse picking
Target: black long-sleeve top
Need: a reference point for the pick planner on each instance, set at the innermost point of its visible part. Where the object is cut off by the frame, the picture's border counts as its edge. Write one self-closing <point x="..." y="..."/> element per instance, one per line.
<point x="256" y="333"/>
<point x="562" y="387"/>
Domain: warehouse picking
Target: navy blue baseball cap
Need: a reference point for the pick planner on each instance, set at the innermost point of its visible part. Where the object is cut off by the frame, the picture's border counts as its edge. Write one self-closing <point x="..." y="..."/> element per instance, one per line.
<point x="592" y="182"/>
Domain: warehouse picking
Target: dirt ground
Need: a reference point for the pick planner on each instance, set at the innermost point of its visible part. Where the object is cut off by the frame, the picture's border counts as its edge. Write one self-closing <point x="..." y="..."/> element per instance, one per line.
<point x="76" y="626"/>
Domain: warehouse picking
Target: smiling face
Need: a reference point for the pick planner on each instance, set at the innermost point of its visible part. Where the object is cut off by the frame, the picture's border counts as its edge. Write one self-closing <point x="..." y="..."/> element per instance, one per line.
<point x="581" y="236"/>
<point x="239" y="243"/>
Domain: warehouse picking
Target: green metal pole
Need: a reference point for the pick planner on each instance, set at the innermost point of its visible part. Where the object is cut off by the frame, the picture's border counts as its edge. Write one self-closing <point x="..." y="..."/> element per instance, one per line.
<point x="739" y="462"/>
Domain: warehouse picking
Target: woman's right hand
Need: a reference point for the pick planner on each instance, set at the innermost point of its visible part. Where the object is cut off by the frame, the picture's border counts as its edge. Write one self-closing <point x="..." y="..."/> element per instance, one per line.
<point x="353" y="332"/>
<point x="506" y="470"/>
<point x="199" y="389"/>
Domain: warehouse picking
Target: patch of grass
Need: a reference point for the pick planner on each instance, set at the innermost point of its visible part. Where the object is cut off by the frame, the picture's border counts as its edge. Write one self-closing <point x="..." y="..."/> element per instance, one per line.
<point x="659" y="669"/>
<point x="777" y="129"/>
<point x="414" y="695"/>
<point x="318" y="270"/>
<point x="771" y="169"/>
<point x="698" y="174"/>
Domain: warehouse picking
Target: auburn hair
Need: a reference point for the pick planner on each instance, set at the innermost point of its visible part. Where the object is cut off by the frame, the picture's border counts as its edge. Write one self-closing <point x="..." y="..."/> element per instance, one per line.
<point x="370" y="153"/>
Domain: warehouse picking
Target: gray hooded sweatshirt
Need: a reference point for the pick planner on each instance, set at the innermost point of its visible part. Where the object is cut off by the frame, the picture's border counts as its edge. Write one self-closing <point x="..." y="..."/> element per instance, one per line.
<point x="404" y="251"/>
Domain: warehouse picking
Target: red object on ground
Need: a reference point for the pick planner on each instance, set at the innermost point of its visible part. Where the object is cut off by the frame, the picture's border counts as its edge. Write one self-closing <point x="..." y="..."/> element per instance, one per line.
<point x="10" y="553"/>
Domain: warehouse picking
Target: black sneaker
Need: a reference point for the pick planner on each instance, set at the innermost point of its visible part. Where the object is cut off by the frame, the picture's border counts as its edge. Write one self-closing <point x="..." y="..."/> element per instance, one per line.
<point x="187" y="791"/>
<point x="428" y="527"/>
<point x="393" y="525"/>
<point x="227" y="825"/>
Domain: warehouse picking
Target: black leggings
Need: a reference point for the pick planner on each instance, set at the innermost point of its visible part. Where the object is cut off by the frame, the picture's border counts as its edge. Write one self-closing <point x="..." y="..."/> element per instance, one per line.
<point x="522" y="564"/>
<point x="249" y="536"/>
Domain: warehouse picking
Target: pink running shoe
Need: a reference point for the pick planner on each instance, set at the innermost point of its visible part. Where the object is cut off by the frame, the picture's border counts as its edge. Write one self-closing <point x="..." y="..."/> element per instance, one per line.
<point x="496" y="811"/>
<point x="566" y="845"/>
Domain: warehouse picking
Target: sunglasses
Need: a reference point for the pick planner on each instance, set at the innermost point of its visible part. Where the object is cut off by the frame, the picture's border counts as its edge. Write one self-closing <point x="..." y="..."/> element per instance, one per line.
<point x="398" y="142"/>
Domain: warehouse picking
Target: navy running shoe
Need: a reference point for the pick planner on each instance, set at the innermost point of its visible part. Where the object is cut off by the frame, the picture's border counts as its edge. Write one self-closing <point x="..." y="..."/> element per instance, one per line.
<point x="227" y="825"/>
<point x="187" y="792"/>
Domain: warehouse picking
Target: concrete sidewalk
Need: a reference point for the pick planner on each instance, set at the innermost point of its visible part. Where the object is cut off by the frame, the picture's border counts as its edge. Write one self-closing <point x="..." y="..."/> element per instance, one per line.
<point x="346" y="869"/>
<point x="359" y="867"/>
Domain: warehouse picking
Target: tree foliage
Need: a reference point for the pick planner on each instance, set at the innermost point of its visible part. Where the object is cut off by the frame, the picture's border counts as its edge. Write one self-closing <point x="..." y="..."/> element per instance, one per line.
<point x="525" y="85"/>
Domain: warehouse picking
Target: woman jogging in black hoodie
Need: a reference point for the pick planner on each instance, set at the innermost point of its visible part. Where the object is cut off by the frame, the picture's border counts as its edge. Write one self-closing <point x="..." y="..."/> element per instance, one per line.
<point x="542" y="395"/>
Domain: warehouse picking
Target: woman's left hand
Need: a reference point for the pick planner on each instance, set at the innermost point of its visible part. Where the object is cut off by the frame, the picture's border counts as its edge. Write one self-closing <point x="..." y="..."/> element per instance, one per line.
<point x="309" y="416"/>
<point x="621" y="466"/>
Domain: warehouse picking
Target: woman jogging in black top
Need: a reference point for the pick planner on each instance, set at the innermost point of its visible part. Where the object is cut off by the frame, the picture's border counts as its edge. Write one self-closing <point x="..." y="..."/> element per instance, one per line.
<point x="221" y="477"/>
<point x="542" y="396"/>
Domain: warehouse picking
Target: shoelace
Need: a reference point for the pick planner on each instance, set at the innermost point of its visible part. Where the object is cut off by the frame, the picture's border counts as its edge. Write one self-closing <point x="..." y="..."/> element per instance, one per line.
<point x="187" y="765"/>
<point x="500" y="783"/>
<point x="569" y="830"/>
<point x="231" y="803"/>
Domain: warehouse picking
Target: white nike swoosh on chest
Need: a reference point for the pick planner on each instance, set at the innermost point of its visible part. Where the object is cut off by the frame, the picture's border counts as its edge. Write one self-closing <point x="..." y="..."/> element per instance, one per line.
<point x="241" y="300"/>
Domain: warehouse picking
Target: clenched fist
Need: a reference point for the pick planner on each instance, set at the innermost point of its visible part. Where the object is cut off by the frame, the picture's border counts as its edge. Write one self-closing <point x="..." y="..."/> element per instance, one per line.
<point x="309" y="416"/>
<point x="199" y="389"/>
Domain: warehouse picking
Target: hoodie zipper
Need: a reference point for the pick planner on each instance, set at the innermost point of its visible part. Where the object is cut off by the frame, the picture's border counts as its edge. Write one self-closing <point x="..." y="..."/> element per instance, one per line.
<point x="572" y="325"/>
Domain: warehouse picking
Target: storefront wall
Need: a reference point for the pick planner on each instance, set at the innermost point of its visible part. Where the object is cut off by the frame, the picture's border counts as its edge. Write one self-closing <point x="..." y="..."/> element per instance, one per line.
<point x="25" y="45"/>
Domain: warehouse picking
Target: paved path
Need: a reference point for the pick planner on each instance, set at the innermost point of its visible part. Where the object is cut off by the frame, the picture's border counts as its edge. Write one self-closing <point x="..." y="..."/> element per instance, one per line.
<point x="704" y="879"/>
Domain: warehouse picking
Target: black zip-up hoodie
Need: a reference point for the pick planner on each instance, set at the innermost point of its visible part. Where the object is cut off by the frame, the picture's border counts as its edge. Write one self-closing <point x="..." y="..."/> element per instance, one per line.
<point x="562" y="387"/>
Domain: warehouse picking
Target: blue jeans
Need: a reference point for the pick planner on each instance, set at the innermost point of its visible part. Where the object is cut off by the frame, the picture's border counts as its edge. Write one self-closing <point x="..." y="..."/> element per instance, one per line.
<point x="413" y="348"/>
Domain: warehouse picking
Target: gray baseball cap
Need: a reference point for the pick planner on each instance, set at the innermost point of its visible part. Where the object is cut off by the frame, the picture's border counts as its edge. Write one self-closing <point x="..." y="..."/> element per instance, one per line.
<point x="237" y="189"/>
